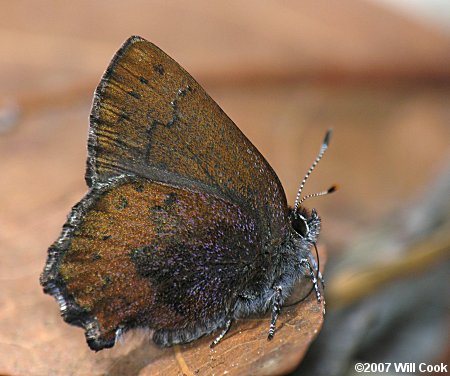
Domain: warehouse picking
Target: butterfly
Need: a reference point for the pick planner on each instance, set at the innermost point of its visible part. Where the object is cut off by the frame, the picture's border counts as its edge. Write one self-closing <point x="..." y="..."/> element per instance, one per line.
<point x="185" y="227"/>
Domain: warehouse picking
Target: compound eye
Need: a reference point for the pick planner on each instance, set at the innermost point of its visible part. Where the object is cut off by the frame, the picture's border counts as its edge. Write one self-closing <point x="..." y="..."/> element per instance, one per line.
<point x="300" y="225"/>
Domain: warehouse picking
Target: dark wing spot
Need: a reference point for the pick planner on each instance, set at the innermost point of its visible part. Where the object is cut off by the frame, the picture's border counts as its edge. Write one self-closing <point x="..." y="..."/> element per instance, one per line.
<point x="106" y="281"/>
<point x="124" y="116"/>
<point x="123" y="203"/>
<point x="170" y="199"/>
<point x="134" y="94"/>
<point x="156" y="208"/>
<point x="143" y="80"/>
<point x="183" y="92"/>
<point x="174" y="119"/>
<point x="106" y="237"/>
<point x="159" y="68"/>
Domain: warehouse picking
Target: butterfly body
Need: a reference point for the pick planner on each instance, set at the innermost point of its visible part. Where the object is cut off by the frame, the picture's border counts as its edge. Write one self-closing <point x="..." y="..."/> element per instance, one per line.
<point x="185" y="227"/>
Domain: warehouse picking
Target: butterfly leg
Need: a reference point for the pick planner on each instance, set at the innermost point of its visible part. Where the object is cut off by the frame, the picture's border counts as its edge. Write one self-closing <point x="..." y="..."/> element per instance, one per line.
<point x="222" y="334"/>
<point x="312" y="275"/>
<point x="314" y="266"/>
<point x="322" y="281"/>
<point x="276" y="308"/>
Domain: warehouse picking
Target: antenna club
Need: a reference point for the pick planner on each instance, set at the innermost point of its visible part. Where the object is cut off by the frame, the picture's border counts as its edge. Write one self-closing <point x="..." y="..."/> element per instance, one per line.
<point x="327" y="138"/>
<point x="333" y="188"/>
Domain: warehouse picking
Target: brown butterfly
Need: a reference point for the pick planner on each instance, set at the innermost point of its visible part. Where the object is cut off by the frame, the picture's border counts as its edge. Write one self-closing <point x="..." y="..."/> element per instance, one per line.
<point x="185" y="227"/>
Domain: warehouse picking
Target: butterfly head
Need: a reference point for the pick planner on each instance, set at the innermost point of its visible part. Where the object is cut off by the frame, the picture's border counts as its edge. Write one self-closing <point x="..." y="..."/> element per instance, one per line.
<point x="305" y="223"/>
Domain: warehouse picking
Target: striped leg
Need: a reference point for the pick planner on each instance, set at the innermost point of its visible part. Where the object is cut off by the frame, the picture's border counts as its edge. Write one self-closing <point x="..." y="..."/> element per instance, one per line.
<point x="312" y="275"/>
<point x="222" y="334"/>
<point x="276" y="308"/>
<point x="322" y="281"/>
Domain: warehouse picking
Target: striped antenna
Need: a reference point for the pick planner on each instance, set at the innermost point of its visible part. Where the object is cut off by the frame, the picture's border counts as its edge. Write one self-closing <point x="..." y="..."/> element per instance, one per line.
<point x="317" y="194"/>
<point x="324" y="147"/>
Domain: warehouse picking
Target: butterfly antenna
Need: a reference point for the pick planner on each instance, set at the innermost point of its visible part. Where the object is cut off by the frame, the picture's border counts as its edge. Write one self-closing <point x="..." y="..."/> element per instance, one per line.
<point x="317" y="194"/>
<point x="324" y="147"/>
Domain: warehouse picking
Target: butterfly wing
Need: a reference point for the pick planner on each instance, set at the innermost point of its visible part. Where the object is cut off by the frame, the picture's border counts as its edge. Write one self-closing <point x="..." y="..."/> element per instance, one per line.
<point x="142" y="253"/>
<point x="152" y="119"/>
<point x="175" y="249"/>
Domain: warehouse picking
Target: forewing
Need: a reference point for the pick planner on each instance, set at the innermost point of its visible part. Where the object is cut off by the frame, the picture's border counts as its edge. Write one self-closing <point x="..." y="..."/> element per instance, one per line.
<point x="146" y="253"/>
<point x="150" y="118"/>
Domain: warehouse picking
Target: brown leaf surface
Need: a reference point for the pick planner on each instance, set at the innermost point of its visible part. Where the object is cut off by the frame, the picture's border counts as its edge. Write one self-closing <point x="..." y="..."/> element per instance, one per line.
<point x="245" y="350"/>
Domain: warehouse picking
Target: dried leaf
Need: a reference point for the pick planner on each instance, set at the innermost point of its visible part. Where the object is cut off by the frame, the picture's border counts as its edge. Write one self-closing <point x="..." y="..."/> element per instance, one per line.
<point x="245" y="350"/>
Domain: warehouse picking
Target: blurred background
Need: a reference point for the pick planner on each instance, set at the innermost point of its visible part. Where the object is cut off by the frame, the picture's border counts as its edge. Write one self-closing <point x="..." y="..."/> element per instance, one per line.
<point x="377" y="72"/>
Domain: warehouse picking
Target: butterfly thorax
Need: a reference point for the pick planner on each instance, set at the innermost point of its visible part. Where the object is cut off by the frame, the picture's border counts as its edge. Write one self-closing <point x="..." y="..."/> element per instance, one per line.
<point x="286" y="271"/>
